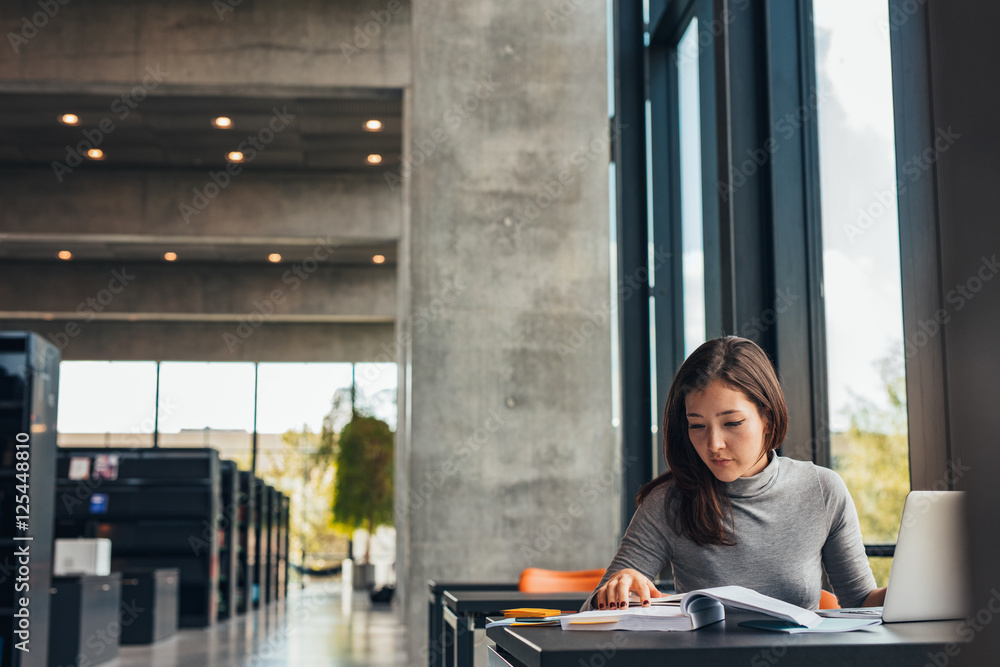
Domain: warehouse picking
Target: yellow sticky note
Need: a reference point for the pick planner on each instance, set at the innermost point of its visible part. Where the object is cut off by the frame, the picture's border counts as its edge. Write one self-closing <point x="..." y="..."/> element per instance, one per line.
<point x="530" y="612"/>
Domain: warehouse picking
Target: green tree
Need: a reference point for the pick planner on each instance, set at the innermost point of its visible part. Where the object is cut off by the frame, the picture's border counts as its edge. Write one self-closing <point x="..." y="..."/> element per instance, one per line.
<point x="364" y="478"/>
<point x="874" y="461"/>
<point x="308" y="478"/>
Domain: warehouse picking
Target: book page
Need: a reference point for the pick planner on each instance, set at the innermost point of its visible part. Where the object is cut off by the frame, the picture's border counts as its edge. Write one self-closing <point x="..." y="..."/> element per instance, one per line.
<point x="633" y="618"/>
<point x="739" y="597"/>
<point x="664" y="599"/>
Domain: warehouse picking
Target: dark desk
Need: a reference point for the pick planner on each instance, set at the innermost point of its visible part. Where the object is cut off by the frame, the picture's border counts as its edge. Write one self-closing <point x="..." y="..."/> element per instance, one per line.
<point x="435" y="612"/>
<point x="723" y="644"/>
<point x="464" y="611"/>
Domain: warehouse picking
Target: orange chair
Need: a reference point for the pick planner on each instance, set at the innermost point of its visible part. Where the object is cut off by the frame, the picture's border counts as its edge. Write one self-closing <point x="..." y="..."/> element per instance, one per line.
<point x="828" y="600"/>
<point x="537" y="580"/>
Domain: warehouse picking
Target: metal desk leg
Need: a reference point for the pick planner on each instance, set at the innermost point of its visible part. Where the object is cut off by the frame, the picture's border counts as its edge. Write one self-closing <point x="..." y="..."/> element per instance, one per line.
<point x="449" y="636"/>
<point x="435" y="629"/>
<point x="465" y="649"/>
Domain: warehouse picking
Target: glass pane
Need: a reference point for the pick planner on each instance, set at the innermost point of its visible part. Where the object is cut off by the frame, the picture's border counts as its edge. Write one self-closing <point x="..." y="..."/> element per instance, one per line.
<point x="292" y="402"/>
<point x="106" y="403"/>
<point x="377" y="390"/>
<point x="692" y="243"/>
<point x="867" y="390"/>
<point x="211" y="405"/>
<point x="880" y="568"/>
<point x="291" y="396"/>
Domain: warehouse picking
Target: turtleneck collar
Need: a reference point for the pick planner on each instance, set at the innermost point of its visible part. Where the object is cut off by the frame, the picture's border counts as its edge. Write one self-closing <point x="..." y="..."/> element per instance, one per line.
<point x="748" y="487"/>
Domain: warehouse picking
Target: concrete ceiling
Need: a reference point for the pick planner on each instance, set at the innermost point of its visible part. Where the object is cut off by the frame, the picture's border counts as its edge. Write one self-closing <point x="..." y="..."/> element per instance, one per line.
<point x="170" y="128"/>
<point x="160" y="128"/>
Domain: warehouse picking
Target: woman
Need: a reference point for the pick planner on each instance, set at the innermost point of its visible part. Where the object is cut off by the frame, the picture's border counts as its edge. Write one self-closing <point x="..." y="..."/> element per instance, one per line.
<point x="730" y="511"/>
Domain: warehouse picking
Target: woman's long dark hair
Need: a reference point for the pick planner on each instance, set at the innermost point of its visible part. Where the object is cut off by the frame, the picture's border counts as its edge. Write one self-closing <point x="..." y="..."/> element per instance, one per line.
<point x="701" y="502"/>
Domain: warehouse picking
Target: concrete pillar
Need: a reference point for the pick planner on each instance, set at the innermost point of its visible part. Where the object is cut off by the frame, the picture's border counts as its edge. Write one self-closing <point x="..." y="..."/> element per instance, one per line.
<point x="506" y="452"/>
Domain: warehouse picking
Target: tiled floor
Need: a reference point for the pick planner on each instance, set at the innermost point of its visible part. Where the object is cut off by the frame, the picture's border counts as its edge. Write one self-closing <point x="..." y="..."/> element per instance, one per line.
<point x="313" y="627"/>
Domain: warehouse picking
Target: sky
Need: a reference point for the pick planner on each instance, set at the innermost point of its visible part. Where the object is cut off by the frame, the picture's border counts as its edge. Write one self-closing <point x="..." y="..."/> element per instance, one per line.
<point x="858" y="201"/>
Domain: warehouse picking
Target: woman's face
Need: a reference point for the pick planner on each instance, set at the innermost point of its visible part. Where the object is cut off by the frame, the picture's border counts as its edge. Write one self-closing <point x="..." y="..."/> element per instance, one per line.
<point x="727" y="431"/>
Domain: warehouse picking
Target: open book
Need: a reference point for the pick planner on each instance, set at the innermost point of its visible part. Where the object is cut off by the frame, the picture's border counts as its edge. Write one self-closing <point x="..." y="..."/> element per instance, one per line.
<point x="696" y="609"/>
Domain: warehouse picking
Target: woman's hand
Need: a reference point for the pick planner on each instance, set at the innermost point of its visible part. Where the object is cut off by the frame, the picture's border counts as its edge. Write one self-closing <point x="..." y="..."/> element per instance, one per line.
<point x="614" y="594"/>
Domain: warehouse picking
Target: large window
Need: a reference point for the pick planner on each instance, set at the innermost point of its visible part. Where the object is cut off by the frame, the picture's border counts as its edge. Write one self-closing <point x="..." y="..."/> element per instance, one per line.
<point x="203" y="404"/>
<point x="290" y="409"/>
<point x="771" y="189"/>
<point x="867" y="390"/>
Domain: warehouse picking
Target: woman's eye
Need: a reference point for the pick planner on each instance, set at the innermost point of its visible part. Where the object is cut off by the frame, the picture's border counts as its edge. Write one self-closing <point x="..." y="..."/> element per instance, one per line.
<point x="694" y="426"/>
<point x="735" y="423"/>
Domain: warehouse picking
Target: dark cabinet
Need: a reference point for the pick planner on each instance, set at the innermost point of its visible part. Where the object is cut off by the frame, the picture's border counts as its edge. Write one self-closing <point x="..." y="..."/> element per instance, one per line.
<point x="29" y="382"/>
<point x="160" y="509"/>
<point x="228" y="545"/>
<point x="247" y="542"/>
<point x="283" y="529"/>
<point x="271" y="555"/>
<point x="87" y="620"/>
<point x="149" y="604"/>
<point x="262" y="542"/>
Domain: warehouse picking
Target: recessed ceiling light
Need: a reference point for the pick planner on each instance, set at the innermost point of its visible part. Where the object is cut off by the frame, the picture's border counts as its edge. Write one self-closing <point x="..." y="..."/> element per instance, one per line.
<point x="69" y="119"/>
<point x="379" y="259"/>
<point x="65" y="254"/>
<point x="374" y="158"/>
<point x="95" y="154"/>
<point x="235" y="156"/>
<point x="274" y="257"/>
<point x="170" y="256"/>
<point x="222" y="122"/>
<point x="373" y="125"/>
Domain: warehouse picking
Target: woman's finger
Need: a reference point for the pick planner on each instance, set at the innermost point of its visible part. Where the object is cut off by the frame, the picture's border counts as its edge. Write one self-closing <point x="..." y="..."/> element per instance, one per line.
<point x="602" y="596"/>
<point x="643" y="590"/>
<point x="609" y="593"/>
<point x="624" y="586"/>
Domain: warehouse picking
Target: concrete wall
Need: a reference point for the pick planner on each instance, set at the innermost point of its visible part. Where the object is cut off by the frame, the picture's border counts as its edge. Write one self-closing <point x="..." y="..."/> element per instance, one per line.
<point x="257" y="43"/>
<point x="199" y="292"/>
<point x="216" y="341"/>
<point x="508" y="448"/>
<point x="346" y="207"/>
<point x="130" y="310"/>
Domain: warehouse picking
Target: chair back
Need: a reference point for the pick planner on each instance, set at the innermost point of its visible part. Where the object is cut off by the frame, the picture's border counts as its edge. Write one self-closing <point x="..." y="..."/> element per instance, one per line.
<point x="828" y="600"/>
<point x="538" y="580"/>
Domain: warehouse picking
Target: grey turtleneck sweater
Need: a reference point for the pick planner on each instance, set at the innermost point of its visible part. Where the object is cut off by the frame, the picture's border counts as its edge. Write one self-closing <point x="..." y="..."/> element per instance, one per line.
<point x="791" y="519"/>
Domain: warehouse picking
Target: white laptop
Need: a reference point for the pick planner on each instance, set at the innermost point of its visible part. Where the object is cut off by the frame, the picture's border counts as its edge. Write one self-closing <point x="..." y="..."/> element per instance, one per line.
<point x="927" y="579"/>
